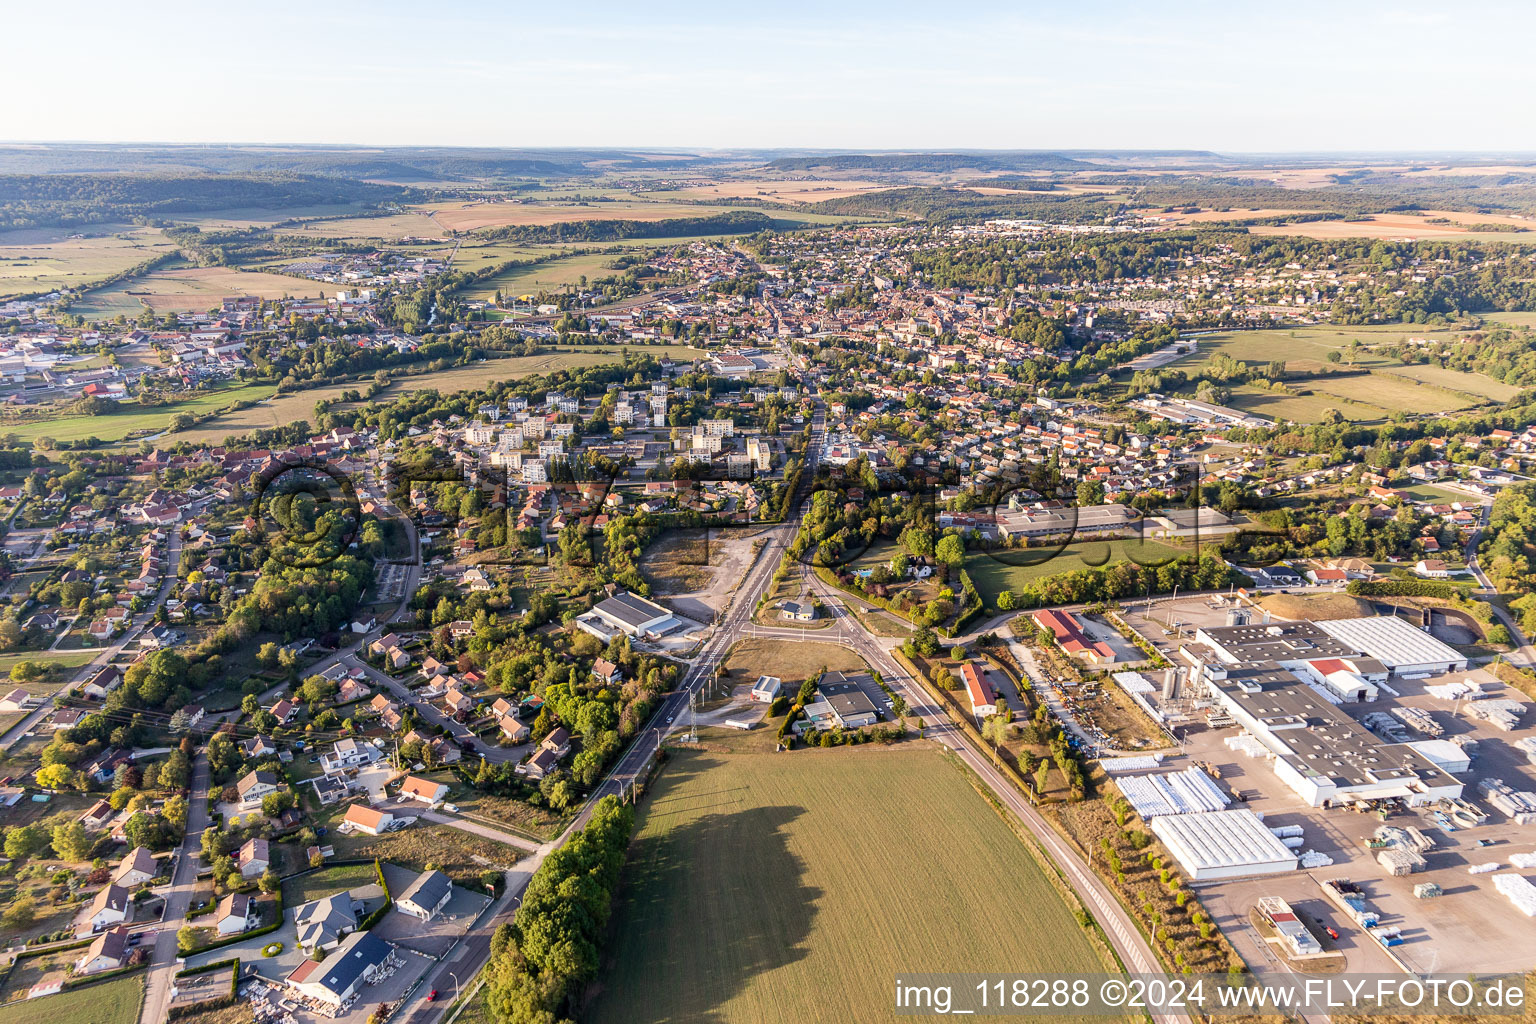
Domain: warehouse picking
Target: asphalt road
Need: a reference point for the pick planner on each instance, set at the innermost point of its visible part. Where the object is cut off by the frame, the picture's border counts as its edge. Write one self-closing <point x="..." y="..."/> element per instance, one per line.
<point x="178" y="896"/>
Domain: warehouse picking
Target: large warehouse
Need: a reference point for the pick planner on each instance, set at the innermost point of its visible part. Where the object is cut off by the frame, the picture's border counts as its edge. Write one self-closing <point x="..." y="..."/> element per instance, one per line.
<point x="1223" y="844"/>
<point x="1397" y="644"/>
<point x="1320" y="752"/>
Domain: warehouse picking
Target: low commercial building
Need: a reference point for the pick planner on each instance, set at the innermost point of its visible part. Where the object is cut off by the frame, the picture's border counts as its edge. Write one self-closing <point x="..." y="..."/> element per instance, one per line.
<point x="1223" y="844"/>
<point x="1401" y="646"/>
<point x="1068" y="631"/>
<point x="629" y="614"/>
<point x="1320" y="752"/>
<point x="983" y="699"/>
<point x="425" y="897"/>
<point x="1293" y="935"/>
<point x="766" y="689"/>
<point x="850" y="706"/>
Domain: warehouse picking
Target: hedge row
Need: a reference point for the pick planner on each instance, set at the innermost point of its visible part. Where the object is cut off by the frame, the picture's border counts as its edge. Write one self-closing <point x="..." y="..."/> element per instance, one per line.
<point x="378" y="915"/>
<point x="1403" y="588"/>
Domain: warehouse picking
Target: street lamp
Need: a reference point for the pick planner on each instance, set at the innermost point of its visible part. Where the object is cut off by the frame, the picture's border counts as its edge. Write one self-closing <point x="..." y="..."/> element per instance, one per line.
<point x="455" y="978"/>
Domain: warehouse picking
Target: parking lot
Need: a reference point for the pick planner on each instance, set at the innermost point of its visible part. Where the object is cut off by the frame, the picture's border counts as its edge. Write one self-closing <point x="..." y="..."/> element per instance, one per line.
<point x="1471" y="928"/>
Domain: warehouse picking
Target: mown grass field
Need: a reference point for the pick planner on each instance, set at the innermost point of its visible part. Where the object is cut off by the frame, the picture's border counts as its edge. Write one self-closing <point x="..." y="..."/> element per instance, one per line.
<point x="997" y="571"/>
<point x="1301" y="408"/>
<point x="111" y="1002"/>
<point x="792" y="661"/>
<point x="302" y="889"/>
<point x="190" y="288"/>
<point x="65" y="659"/>
<point x="62" y="262"/>
<point x="797" y="886"/>
<point x="1390" y="386"/>
<point x="549" y="276"/>
<point x="132" y="418"/>
<point x="1475" y="384"/>
<point x="1307" y="348"/>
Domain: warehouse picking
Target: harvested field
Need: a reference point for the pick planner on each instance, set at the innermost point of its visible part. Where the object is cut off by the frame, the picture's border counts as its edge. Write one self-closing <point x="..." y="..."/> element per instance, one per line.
<point x="190" y="288"/>
<point x="475" y="216"/>
<point x="72" y="262"/>
<point x="759" y="887"/>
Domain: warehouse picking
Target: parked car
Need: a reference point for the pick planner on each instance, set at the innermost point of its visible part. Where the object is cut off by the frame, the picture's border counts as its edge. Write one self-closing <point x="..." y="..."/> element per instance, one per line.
<point x="1333" y="932"/>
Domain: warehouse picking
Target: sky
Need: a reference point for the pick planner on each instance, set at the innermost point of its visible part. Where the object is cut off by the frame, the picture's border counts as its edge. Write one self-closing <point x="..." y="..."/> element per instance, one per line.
<point x="1232" y="77"/>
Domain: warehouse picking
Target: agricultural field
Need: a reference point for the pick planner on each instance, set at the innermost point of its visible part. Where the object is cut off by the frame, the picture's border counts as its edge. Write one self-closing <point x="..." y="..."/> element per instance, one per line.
<point x="109" y="1002"/>
<point x="245" y="218"/>
<point x="770" y="191"/>
<point x="770" y="887"/>
<point x="1403" y="226"/>
<point x="1523" y="319"/>
<point x="1475" y="384"/>
<point x="993" y="575"/>
<point x="131" y="418"/>
<point x="410" y="224"/>
<point x="61" y="659"/>
<point x="56" y="261"/>
<point x="463" y="217"/>
<point x="189" y="288"/>
<point x="550" y="276"/>
<point x="473" y="255"/>
<point x="1300" y="408"/>
<point x="1389" y="391"/>
<point x="1306" y="349"/>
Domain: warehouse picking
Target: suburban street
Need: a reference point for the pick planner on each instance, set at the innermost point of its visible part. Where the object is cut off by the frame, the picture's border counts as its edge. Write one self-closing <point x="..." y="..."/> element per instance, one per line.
<point x="178" y="897"/>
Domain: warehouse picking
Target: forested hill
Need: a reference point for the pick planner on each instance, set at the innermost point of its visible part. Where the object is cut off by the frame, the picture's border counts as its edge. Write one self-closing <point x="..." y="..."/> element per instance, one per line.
<point x="65" y="200"/>
<point x="738" y="222"/>
<point x="929" y="162"/>
<point x="948" y="205"/>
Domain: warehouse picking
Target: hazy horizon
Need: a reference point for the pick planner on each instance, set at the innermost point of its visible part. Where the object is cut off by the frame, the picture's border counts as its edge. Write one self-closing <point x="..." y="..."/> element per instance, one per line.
<point x="861" y="75"/>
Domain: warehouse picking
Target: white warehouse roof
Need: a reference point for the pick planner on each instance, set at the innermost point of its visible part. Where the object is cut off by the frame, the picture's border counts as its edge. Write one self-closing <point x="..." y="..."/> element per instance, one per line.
<point x="1188" y="792"/>
<point x="1394" y="642"/>
<point x="1447" y="756"/>
<point x="1223" y="844"/>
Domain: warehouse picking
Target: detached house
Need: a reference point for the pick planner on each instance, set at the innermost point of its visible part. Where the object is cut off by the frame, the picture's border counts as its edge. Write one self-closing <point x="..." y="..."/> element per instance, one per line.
<point x="108" y="952"/>
<point x="424" y="790"/>
<point x="110" y="907"/>
<point x="254" y="786"/>
<point x="136" y="868"/>
<point x="362" y="818"/>
<point x="237" y="913"/>
<point x="254" y="857"/>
